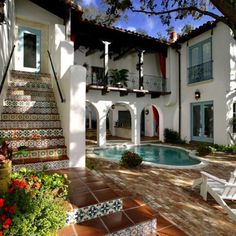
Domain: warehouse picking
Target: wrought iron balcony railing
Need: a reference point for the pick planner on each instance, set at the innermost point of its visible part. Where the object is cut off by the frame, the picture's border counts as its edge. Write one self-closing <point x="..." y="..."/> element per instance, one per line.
<point x="150" y="82"/>
<point x="200" y="72"/>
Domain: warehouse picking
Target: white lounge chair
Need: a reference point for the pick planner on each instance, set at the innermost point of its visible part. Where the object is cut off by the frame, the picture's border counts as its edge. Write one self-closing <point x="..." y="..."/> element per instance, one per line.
<point x="219" y="189"/>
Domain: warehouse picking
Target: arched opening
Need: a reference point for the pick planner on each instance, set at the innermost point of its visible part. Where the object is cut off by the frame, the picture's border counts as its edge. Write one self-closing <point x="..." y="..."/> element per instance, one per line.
<point x="118" y="122"/>
<point x="91" y="123"/>
<point x="150" y="123"/>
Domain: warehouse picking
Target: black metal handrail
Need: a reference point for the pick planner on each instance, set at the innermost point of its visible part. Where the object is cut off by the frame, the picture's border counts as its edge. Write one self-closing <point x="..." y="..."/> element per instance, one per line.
<point x="55" y="77"/>
<point x="6" y="70"/>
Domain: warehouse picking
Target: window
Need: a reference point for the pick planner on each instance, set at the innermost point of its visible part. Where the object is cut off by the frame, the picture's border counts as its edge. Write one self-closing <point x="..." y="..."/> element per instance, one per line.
<point x="97" y="75"/>
<point x="234" y="118"/>
<point x="200" y="61"/>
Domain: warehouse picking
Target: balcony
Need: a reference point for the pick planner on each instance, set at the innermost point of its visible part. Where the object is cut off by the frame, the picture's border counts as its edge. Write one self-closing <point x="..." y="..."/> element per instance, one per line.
<point x="154" y="85"/>
<point x="200" y="72"/>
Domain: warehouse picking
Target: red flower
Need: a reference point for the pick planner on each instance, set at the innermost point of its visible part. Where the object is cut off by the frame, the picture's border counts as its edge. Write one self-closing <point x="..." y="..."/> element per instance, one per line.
<point x="12" y="209"/>
<point x="1" y="233"/>
<point x="10" y="190"/>
<point x="7" y="223"/>
<point x="16" y="182"/>
<point x="3" y="217"/>
<point x="2" y="201"/>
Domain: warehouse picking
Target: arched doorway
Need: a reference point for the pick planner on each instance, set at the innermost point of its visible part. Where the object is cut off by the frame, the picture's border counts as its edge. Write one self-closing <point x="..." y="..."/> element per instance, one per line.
<point x="150" y="123"/>
<point x="91" y="123"/>
<point x="118" y="121"/>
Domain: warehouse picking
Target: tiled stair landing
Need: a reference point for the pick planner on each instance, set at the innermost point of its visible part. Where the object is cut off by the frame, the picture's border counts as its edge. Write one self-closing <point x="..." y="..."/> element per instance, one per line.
<point x="97" y="209"/>
<point x="30" y="118"/>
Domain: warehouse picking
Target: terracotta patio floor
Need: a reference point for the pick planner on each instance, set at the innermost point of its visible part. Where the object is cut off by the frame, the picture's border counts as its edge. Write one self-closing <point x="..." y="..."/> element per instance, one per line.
<point x="169" y="192"/>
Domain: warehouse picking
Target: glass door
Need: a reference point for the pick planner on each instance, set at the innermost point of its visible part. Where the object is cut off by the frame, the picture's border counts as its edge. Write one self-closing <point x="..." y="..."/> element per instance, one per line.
<point x="202" y="121"/>
<point x="29" y="50"/>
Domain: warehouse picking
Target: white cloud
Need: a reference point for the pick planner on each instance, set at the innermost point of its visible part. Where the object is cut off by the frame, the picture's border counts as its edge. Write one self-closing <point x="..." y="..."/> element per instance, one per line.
<point x="149" y="24"/>
<point x="131" y="28"/>
<point x="87" y="2"/>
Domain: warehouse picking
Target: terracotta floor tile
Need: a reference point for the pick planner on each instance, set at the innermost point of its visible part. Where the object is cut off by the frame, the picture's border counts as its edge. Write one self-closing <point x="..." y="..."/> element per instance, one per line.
<point x="116" y="221"/>
<point x="76" y="183"/>
<point x="67" y="231"/>
<point x="140" y="214"/>
<point x="77" y="191"/>
<point x="90" y="179"/>
<point x="129" y="202"/>
<point x="105" y="195"/>
<point x="93" y="227"/>
<point x="98" y="185"/>
<point x="82" y="200"/>
<point x="162" y="222"/>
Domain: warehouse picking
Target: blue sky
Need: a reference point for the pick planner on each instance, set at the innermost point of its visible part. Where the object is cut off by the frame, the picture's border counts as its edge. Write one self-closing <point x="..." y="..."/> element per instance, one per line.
<point x="151" y="25"/>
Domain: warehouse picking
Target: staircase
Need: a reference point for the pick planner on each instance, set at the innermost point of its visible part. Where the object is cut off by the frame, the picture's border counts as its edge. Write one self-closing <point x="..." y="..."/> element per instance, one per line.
<point x="30" y="118"/>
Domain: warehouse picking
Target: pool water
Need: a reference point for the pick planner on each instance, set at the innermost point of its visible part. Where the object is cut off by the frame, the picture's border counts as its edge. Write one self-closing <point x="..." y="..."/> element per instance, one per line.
<point x="151" y="153"/>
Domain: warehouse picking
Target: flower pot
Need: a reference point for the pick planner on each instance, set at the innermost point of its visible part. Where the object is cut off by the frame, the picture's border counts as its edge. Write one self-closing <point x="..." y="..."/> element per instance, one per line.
<point x="5" y="175"/>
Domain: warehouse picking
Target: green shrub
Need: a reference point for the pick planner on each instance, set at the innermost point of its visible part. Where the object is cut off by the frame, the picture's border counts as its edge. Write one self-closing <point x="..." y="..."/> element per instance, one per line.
<point x="34" y="204"/>
<point x="225" y="148"/>
<point x="130" y="159"/>
<point x="204" y="150"/>
<point x="171" y="136"/>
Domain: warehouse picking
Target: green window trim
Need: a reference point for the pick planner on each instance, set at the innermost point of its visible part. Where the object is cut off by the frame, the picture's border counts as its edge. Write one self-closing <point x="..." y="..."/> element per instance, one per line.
<point x="200" y="68"/>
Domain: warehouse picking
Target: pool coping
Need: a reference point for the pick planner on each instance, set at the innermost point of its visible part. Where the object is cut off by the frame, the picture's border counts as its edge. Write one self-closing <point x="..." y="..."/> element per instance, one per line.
<point x="191" y="153"/>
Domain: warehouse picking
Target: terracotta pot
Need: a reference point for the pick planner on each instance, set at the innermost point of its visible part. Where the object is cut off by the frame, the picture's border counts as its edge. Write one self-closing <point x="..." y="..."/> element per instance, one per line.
<point x="5" y="175"/>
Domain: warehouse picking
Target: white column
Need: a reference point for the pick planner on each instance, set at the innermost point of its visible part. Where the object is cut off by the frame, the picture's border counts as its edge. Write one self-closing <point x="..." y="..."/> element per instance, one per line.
<point x="135" y="133"/>
<point x="140" y="67"/>
<point x="101" y="129"/>
<point x="106" y="58"/>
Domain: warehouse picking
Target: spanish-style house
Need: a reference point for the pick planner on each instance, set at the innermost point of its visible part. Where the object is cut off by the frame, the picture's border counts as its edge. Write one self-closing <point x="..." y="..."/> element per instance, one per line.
<point x="61" y="74"/>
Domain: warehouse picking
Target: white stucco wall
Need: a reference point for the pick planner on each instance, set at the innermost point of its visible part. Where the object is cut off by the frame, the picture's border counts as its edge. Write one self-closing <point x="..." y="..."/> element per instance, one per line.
<point x="212" y="90"/>
<point x="6" y="43"/>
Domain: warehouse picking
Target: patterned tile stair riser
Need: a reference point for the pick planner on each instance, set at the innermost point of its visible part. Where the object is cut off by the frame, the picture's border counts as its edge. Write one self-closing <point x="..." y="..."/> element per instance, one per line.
<point x="31" y="85"/>
<point x="28" y="75"/>
<point x="38" y="143"/>
<point x="13" y="103"/>
<point x="93" y="211"/>
<point x="20" y="92"/>
<point x="30" y="117"/>
<point x="33" y="133"/>
<point x="29" y="124"/>
<point x="30" y="110"/>
<point x="45" y="80"/>
<point x="147" y="228"/>
<point x="42" y="153"/>
<point x="30" y="98"/>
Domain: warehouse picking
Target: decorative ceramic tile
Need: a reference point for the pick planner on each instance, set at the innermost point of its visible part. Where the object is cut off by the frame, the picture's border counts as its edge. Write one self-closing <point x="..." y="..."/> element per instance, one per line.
<point x="43" y="153"/>
<point x="32" y="104"/>
<point x="21" y="92"/>
<point x="30" y="117"/>
<point x="146" y="228"/>
<point x="38" y="143"/>
<point x="51" y="165"/>
<point x="29" y="110"/>
<point x="94" y="211"/>
<point x="31" y="133"/>
<point x="30" y="79"/>
<point x="30" y="98"/>
<point x="29" y="124"/>
<point x="23" y="74"/>
<point x="30" y="85"/>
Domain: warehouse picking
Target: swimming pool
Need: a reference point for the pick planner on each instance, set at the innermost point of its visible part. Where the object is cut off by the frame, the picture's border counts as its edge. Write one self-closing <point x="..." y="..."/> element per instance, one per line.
<point x="151" y="153"/>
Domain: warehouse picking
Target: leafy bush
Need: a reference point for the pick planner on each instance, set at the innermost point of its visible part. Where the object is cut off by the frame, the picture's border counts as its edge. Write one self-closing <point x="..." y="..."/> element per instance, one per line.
<point x="204" y="150"/>
<point x="130" y="159"/>
<point x="171" y="136"/>
<point x="33" y="205"/>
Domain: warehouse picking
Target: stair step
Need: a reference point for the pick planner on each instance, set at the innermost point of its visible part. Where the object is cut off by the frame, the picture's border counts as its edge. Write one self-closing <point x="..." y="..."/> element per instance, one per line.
<point x="53" y="152"/>
<point x="28" y="75"/>
<point x="30" y="110"/>
<point x="18" y="92"/>
<point x="13" y="103"/>
<point x="42" y="165"/>
<point x="30" y="98"/>
<point x="37" y="79"/>
<point x="30" y="117"/>
<point x="30" y="133"/>
<point x="32" y="85"/>
<point x="37" y="143"/>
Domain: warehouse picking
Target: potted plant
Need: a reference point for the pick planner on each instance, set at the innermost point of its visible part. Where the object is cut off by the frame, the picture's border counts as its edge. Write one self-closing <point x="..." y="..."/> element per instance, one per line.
<point x="6" y="155"/>
<point x="119" y="78"/>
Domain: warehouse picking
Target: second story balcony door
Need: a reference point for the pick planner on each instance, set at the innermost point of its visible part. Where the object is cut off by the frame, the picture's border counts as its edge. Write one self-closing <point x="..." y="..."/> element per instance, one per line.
<point x="29" y="50"/>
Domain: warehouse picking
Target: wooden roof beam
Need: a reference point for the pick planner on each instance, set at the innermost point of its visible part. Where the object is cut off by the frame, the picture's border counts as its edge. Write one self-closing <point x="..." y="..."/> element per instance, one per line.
<point x="123" y="53"/>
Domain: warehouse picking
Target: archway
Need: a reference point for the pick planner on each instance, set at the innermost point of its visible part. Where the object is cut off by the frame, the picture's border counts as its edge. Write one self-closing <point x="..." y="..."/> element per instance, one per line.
<point x="91" y="123"/>
<point x="119" y="122"/>
<point x="150" y="123"/>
